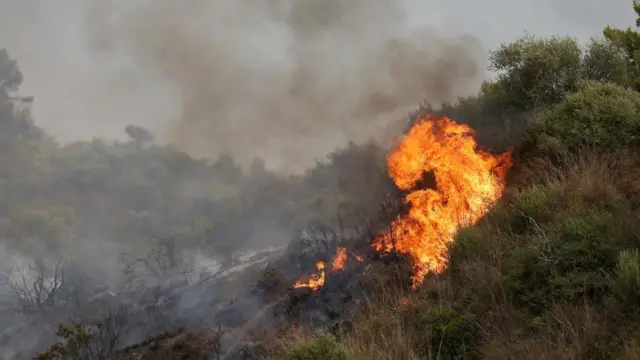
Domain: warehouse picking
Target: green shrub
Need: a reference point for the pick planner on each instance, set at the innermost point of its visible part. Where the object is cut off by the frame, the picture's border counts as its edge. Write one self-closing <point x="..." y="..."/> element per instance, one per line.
<point x="442" y="332"/>
<point x="626" y="284"/>
<point x="527" y="279"/>
<point x="271" y="278"/>
<point x="470" y="243"/>
<point x="322" y="346"/>
<point x="533" y="206"/>
<point x="535" y="71"/>
<point x="568" y="260"/>
<point x="587" y="241"/>
<point x="565" y="239"/>
<point x="76" y="344"/>
<point x="600" y="115"/>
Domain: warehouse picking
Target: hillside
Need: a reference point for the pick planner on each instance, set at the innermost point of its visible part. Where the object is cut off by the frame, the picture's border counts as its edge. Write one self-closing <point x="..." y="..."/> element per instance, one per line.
<point x="501" y="226"/>
<point x="552" y="270"/>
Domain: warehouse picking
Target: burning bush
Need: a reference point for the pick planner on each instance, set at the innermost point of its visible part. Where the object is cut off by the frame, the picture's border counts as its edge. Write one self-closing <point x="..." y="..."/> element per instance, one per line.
<point x="468" y="182"/>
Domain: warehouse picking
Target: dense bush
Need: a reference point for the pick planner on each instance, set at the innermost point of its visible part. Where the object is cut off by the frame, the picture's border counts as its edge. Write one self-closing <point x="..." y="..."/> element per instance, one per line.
<point x="442" y="332"/>
<point x="321" y="347"/>
<point x="599" y="116"/>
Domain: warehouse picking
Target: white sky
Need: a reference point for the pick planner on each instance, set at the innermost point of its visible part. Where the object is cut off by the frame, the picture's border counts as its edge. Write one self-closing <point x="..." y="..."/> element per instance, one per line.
<point x="79" y="95"/>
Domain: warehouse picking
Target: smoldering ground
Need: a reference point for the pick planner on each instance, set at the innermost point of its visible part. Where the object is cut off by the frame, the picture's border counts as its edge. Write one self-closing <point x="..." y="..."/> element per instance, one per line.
<point x="287" y="80"/>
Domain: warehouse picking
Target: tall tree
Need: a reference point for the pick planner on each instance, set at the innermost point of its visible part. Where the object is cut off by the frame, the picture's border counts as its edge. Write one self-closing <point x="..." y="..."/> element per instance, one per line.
<point x="10" y="75"/>
<point x="628" y="40"/>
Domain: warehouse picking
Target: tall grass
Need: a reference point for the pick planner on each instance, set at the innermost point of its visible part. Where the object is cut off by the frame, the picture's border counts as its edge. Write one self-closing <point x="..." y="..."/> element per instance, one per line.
<point x="550" y="273"/>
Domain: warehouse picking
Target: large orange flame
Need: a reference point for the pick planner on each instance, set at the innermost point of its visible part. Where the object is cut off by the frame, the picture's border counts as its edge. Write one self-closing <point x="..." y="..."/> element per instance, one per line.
<point x="468" y="183"/>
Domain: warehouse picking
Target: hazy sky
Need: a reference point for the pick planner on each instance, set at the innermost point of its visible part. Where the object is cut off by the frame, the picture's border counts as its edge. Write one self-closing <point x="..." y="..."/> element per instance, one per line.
<point x="81" y="93"/>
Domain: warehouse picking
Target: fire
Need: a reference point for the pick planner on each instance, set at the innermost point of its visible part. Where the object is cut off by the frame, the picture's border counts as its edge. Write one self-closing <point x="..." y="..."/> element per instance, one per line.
<point x="315" y="281"/>
<point x="468" y="183"/>
<point x="339" y="260"/>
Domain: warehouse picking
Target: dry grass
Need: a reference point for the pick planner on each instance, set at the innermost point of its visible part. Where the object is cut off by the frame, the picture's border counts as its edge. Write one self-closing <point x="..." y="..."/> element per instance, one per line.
<point x="590" y="173"/>
<point x="571" y="335"/>
<point x="533" y="280"/>
<point x="379" y="333"/>
<point x="476" y="293"/>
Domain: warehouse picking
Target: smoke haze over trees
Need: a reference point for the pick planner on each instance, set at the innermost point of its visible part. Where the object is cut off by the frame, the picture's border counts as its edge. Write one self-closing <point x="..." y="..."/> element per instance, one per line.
<point x="266" y="153"/>
<point x="116" y="69"/>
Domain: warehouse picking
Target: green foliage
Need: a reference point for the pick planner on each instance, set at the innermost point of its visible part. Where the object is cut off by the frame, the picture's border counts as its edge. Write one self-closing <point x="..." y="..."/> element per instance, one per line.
<point x="538" y="72"/>
<point x="628" y="41"/>
<point x="442" y="332"/>
<point x="626" y="284"/>
<point x="605" y="62"/>
<point x="128" y="191"/>
<point x="470" y="242"/>
<point x="534" y="72"/>
<point x="75" y="345"/>
<point x="272" y="281"/>
<point x="322" y="346"/>
<point x="559" y="256"/>
<point x="40" y="231"/>
<point x="531" y="75"/>
<point x="599" y="116"/>
<point x="567" y="246"/>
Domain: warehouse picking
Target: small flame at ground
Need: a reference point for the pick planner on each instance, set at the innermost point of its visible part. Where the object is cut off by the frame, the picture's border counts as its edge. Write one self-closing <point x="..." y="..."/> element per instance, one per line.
<point x="315" y="281"/>
<point x="339" y="260"/>
<point x="468" y="183"/>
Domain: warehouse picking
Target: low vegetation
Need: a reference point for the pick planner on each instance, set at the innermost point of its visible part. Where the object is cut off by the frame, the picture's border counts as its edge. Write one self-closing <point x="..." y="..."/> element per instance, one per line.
<point x="551" y="272"/>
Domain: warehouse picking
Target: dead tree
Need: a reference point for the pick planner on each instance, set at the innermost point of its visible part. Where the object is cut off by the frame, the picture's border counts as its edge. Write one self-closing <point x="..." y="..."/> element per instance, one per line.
<point x="107" y="332"/>
<point x="164" y="261"/>
<point x="89" y="340"/>
<point x="34" y="288"/>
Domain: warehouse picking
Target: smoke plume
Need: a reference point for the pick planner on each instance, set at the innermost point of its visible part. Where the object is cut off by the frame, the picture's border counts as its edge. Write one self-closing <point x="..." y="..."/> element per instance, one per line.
<point x="286" y="80"/>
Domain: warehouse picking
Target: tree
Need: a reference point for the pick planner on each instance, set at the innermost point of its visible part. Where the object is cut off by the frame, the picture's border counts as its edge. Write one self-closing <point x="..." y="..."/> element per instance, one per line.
<point x="10" y="81"/>
<point x="537" y="72"/>
<point x="139" y="134"/>
<point x="38" y="232"/>
<point x="165" y="260"/>
<point x="97" y="340"/>
<point x="534" y="72"/>
<point x="10" y="75"/>
<point x="600" y="116"/>
<point x="604" y="61"/>
<point x="35" y="288"/>
<point x="628" y="41"/>
<point x="226" y="169"/>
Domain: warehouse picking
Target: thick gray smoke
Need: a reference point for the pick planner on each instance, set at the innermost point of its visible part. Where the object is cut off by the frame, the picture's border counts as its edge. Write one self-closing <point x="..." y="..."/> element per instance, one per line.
<point x="286" y="80"/>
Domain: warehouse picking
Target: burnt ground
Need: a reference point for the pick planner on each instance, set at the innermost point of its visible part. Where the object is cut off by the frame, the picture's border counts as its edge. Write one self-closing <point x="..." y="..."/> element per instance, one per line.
<point x="248" y="310"/>
<point x="259" y="319"/>
<point x="258" y="309"/>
